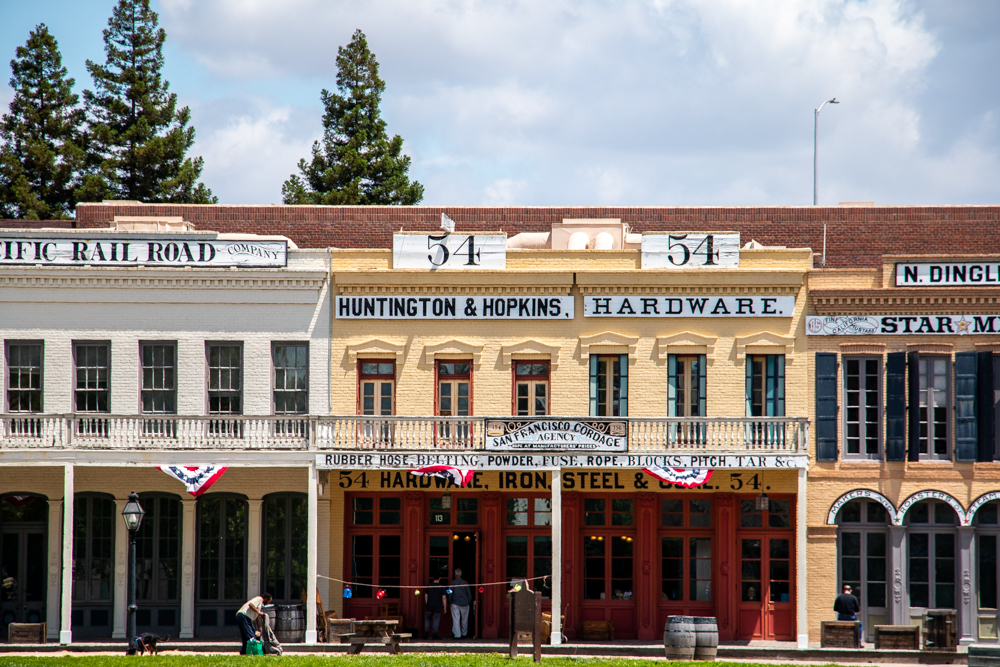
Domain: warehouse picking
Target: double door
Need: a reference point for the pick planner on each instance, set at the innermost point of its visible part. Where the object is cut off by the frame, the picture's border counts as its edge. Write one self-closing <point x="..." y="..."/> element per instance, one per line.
<point x="447" y="552"/>
<point x="22" y="575"/>
<point x="767" y="590"/>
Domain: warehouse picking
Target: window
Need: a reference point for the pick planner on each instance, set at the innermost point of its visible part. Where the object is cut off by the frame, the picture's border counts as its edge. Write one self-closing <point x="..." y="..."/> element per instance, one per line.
<point x="529" y="556"/>
<point x="363" y="511"/>
<point x="609" y="385"/>
<point x="686" y="385"/>
<point x="93" y="548"/>
<point x="933" y="406"/>
<point x="987" y="570"/>
<point x="24" y="377"/>
<point x="686" y="556"/>
<point x="376" y="552"/>
<point x="93" y="371"/>
<point x="158" y="547"/>
<point x="377" y="379"/>
<point x="518" y="510"/>
<point x="863" y="550"/>
<point x="225" y="379"/>
<point x="466" y="511"/>
<point x="222" y="547"/>
<point x="291" y="378"/>
<point x="531" y="388"/>
<point x="930" y="544"/>
<point x="607" y="547"/>
<point x="159" y="378"/>
<point x="454" y="398"/>
<point x="765" y="380"/>
<point x="863" y="407"/>
<point x="285" y="546"/>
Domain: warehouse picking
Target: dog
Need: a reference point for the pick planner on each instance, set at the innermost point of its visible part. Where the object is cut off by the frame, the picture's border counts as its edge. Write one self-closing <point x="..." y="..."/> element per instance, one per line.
<point x="147" y="643"/>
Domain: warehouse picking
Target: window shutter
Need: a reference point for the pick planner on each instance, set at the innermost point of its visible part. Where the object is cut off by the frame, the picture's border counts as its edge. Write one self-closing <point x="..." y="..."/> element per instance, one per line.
<point x="986" y="403"/>
<point x="623" y="403"/>
<point x="593" y="385"/>
<point x="749" y="367"/>
<point x="913" y="439"/>
<point x="966" y="442"/>
<point x="702" y="386"/>
<point x="826" y="406"/>
<point x="895" y="406"/>
<point x="671" y="385"/>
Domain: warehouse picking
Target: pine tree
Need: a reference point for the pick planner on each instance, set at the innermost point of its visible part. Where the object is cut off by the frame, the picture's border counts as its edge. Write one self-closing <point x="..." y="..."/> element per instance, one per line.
<point x="138" y="139"/>
<point x="356" y="162"/>
<point x="41" y="154"/>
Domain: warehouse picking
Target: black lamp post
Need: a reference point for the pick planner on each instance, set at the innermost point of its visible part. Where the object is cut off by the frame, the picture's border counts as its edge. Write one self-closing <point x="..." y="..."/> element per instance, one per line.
<point x="132" y="514"/>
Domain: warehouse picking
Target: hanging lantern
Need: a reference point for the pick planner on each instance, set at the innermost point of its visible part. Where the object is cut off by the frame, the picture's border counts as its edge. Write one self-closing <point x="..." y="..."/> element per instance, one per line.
<point x="380" y="594"/>
<point x="762" y="502"/>
<point x="446" y="501"/>
<point x="347" y="592"/>
<point x="482" y="589"/>
<point x="416" y="592"/>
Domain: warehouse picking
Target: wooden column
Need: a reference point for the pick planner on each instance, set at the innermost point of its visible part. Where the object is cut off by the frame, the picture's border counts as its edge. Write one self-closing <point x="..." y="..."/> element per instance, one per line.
<point x="644" y="557"/>
<point x="491" y="557"/>
<point x="557" y="557"/>
<point x="189" y="533"/>
<point x="55" y="549"/>
<point x="414" y="559"/>
<point x="66" y="590"/>
<point x="312" y="538"/>
<point x="727" y="567"/>
<point x="120" y="592"/>
<point x="572" y="584"/>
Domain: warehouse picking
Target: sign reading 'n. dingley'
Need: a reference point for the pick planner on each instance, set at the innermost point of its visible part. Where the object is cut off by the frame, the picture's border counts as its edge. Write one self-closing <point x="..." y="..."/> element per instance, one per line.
<point x="525" y="435"/>
<point x="158" y="252"/>
<point x="402" y="307"/>
<point x="449" y="251"/>
<point x="354" y="460"/>
<point x="901" y="325"/>
<point x="691" y="251"/>
<point x="701" y="306"/>
<point x="948" y="273"/>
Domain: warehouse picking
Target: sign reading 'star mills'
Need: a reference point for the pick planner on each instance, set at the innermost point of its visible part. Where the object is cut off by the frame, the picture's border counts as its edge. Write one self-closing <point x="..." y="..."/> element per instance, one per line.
<point x="158" y="252"/>
<point x="403" y="307"/>
<point x="522" y="435"/>
<point x="948" y="273"/>
<point x="894" y="325"/>
<point x="702" y="306"/>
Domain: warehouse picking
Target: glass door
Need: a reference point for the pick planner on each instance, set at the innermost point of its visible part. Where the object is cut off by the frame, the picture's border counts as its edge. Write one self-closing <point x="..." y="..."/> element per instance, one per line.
<point x="766" y="601"/>
<point x="446" y="553"/>
<point x="22" y="576"/>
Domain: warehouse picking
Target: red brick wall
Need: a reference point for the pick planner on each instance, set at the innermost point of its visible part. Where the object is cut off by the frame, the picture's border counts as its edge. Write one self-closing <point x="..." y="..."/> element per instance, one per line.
<point x="35" y="224"/>
<point x="856" y="236"/>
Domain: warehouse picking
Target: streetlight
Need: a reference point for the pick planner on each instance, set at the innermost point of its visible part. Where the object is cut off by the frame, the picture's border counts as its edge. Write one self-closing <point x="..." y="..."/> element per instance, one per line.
<point x="832" y="100"/>
<point x="132" y="514"/>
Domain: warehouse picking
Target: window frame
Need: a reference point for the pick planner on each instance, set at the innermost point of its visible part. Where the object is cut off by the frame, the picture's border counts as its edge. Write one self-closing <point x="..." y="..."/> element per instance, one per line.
<point x="454" y="379"/>
<point x="949" y="397"/>
<point x="376" y="530"/>
<point x="377" y="378"/>
<point x="142" y="368"/>
<point x="865" y="528"/>
<point x="932" y="528"/>
<point x="606" y="533"/>
<point x="228" y="393"/>
<point x="41" y="375"/>
<point x="779" y="386"/>
<point x="157" y="498"/>
<point x="275" y="344"/>
<point x="880" y="407"/>
<point x="686" y="533"/>
<point x="612" y="403"/>
<point x="76" y="367"/>
<point x="532" y="381"/>
<point x="288" y="576"/>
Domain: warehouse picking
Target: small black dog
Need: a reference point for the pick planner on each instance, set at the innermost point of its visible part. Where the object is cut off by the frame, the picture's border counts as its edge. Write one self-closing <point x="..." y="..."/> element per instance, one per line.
<point x="146" y="643"/>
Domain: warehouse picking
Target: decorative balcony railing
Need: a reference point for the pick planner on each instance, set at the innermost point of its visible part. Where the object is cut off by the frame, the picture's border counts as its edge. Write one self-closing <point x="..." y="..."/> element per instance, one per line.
<point x="754" y="435"/>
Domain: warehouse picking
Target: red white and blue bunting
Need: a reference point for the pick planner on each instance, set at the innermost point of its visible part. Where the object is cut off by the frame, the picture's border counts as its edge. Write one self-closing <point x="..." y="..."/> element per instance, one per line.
<point x="197" y="479"/>
<point x="457" y="476"/>
<point x="687" y="478"/>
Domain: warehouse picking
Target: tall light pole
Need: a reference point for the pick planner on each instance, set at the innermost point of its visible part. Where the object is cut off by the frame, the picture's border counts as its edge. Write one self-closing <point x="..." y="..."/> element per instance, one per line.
<point x="132" y="514"/>
<point x="832" y="100"/>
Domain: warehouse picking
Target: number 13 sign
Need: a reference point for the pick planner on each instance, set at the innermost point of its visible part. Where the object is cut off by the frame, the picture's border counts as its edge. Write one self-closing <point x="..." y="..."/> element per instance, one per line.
<point x="449" y="251"/>
<point x="691" y="251"/>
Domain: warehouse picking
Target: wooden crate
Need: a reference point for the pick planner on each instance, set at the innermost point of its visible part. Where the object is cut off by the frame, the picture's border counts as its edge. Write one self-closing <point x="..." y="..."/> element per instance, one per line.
<point x="338" y="626"/>
<point x="27" y="633"/>
<point x="840" y="634"/>
<point x="891" y="637"/>
<point x="598" y="630"/>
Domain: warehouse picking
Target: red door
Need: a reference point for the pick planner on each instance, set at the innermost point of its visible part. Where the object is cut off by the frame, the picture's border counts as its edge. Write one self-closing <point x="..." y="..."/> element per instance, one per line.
<point x="767" y="592"/>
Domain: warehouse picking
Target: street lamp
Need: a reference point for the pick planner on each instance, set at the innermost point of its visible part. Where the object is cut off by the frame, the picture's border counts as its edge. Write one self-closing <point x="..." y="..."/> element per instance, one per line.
<point x="132" y="514"/>
<point x="832" y="100"/>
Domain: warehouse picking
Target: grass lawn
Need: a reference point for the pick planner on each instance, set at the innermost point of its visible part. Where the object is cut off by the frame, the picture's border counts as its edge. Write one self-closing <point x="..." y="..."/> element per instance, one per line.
<point x="372" y="660"/>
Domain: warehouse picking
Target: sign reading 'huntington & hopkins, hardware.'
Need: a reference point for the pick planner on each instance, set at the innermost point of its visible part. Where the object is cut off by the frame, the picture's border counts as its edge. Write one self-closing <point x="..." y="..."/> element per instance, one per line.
<point x="457" y="307"/>
<point x="702" y="306"/>
<point x="152" y="252"/>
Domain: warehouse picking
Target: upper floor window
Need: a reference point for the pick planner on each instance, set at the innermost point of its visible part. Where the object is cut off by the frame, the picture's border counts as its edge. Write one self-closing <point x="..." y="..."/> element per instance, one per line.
<point x="24" y="376"/>
<point x="609" y="385"/>
<point x="765" y="385"/>
<point x="159" y="377"/>
<point x="291" y="378"/>
<point x="454" y="397"/>
<point x="686" y="385"/>
<point x="863" y="407"/>
<point x="225" y="378"/>
<point x="932" y="406"/>
<point x="92" y="391"/>
<point x="531" y="388"/>
<point x="377" y="384"/>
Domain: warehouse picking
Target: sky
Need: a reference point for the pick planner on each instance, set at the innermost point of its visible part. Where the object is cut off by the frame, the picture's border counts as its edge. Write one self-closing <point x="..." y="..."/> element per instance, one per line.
<point x="626" y="103"/>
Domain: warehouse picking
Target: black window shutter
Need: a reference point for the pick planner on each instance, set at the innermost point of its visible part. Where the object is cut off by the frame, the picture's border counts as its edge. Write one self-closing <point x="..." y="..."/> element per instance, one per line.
<point x="966" y="442"/>
<point x="913" y="439"/>
<point x="986" y="433"/>
<point x="826" y="406"/>
<point x="895" y="406"/>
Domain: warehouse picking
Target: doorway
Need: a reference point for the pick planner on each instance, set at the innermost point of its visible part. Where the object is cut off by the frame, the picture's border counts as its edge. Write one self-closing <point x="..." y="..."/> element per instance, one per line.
<point x="23" y="560"/>
<point x="766" y="591"/>
<point x="446" y="553"/>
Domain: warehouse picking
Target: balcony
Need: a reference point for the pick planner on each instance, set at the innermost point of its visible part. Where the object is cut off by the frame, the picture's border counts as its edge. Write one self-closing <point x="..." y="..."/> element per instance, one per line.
<point x="745" y="435"/>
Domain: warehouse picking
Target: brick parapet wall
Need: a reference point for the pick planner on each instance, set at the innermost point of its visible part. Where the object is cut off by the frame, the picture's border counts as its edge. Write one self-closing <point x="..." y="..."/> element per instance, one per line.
<point x="856" y="236"/>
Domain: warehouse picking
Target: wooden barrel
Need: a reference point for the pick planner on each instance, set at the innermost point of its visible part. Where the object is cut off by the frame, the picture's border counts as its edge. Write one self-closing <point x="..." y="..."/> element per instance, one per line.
<point x="679" y="638"/>
<point x="271" y="614"/>
<point x="290" y="624"/>
<point x="706" y="632"/>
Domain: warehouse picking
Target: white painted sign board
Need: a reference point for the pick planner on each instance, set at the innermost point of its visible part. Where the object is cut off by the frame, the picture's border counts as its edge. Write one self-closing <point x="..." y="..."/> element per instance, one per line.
<point x="449" y="251"/>
<point x="670" y="306"/>
<point x="154" y="252"/>
<point x="691" y="251"/>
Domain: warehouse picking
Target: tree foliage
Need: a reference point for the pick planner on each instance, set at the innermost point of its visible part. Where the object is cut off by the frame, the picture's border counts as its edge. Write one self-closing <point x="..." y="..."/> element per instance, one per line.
<point x="356" y="162"/>
<point x="41" y="152"/>
<point x="138" y="139"/>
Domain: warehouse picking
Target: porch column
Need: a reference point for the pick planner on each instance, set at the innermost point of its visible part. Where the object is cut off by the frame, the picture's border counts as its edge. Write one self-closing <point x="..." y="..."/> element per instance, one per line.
<point x="311" y="566"/>
<point x="55" y="556"/>
<point x="491" y="557"/>
<point x="253" y="546"/>
<point x="898" y="614"/>
<point x="800" y="562"/>
<point x="66" y="615"/>
<point x="557" y="563"/>
<point x="968" y="607"/>
<point x="189" y="531"/>
<point x="323" y="550"/>
<point x="120" y="612"/>
<point x="645" y="593"/>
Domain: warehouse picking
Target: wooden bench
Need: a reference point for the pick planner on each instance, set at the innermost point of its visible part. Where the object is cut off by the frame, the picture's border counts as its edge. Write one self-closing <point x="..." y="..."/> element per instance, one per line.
<point x="27" y="633"/>
<point x="840" y="634"/>
<point x="376" y="633"/>
<point x="890" y="637"/>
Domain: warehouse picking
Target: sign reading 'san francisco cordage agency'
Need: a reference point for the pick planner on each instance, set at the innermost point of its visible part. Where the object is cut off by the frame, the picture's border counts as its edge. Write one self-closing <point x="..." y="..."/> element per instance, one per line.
<point x="155" y="252"/>
<point x="680" y="250"/>
<point x="452" y="307"/>
<point x="702" y="306"/>
<point x="898" y="325"/>
<point x="449" y="251"/>
<point x="948" y="273"/>
<point x="525" y="435"/>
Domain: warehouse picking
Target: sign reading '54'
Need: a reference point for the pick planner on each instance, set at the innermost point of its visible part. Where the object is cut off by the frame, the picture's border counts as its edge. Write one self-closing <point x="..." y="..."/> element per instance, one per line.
<point x="449" y="251"/>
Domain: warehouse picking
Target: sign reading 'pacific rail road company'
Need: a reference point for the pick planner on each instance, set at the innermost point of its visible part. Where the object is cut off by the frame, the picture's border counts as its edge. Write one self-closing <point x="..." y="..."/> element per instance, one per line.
<point x="513" y="461"/>
<point x="702" y="306"/>
<point x="404" y="307"/>
<point x="948" y="273"/>
<point x="901" y="325"/>
<point x="159" y="252"/>
<point x="525" y="435"/>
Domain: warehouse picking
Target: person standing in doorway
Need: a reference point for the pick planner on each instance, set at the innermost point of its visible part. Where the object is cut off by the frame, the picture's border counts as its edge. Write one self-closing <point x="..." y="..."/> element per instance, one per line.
<point x="461" y="599"/>
<point x="435" y="604"/>
<point x="847" y="607"/>
<point x="247" y="619"/>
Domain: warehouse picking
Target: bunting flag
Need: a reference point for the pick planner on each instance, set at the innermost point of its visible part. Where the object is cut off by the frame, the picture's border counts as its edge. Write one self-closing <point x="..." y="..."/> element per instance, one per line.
<point x="197" y="479"/>
<point x="689" y="478"/>
<point x="457" y="476"/>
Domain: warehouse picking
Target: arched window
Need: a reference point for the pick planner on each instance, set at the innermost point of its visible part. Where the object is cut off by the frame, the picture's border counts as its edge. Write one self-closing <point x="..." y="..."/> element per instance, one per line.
<point x="286" y="545"/>
<point x="158" y="564"/>
<point x="987" y="522"/>
<point x="863" y="557"/>
<point x="94" y="517"/>
<point x="931" y="555"/>
<point x="222" y="563"/>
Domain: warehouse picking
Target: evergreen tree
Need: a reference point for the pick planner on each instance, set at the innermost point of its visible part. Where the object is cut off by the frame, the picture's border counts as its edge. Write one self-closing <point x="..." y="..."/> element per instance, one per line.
<point x="41" y="155"/>
<point x="356" y="163"/>
<point x="138" y="139"/>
